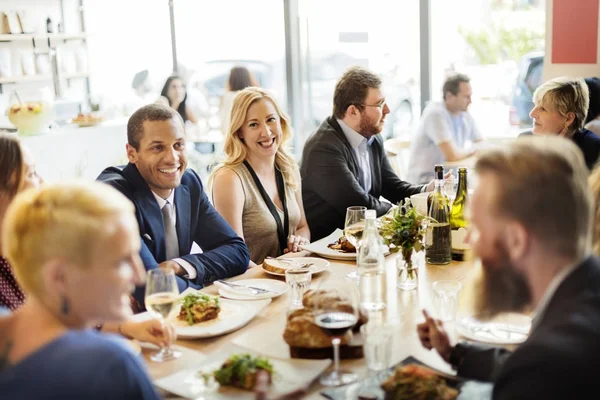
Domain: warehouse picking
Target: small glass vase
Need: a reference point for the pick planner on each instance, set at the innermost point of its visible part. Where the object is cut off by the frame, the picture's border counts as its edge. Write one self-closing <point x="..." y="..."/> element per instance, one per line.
<point x="408" y="271"/>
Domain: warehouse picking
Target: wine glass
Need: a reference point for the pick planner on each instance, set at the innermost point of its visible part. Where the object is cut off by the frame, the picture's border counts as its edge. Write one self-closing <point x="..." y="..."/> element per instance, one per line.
<point x="353" y="230"/>
<point x="161" y="297"/>
<point x="335" y="311"/>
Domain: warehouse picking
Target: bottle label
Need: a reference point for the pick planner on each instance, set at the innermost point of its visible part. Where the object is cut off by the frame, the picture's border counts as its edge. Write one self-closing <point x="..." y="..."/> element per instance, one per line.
<point x="458" y="239"/>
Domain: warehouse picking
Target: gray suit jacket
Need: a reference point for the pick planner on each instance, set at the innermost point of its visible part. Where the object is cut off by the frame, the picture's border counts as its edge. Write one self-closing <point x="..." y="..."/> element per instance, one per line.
<point x="331" y="179"/>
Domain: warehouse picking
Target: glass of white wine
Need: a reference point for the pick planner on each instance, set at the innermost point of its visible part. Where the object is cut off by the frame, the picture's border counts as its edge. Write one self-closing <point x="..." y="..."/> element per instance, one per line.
<point x="353" y="230"/>
<point x="161" y="298"/>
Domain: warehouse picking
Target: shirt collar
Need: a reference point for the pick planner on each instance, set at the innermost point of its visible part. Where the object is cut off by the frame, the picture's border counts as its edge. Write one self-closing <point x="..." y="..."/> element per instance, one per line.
<point x="161" y="202"/>
<point x="550" y="291"/>
<point x="355" y="138"/>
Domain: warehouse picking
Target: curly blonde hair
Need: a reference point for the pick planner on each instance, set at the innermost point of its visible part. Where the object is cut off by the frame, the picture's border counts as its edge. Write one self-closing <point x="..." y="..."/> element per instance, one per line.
<point x="235" y="149"/>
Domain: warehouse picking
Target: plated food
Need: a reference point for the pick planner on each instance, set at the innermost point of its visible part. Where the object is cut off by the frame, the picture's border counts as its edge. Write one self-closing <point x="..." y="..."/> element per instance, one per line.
<point x="278" y="266"/>
<point x="342" y="245"/>
<point x="416" y="382"/>
<point x="199" y="307"/>
<point x="241" y="371"/>
<point x="87" y="120"/>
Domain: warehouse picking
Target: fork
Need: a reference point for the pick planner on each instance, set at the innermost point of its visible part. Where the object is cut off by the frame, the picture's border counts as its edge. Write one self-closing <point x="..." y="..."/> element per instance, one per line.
<point x="252" y="289"/>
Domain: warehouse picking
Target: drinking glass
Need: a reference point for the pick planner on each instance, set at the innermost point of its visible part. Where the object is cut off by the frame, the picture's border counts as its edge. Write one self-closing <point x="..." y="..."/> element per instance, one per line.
<point x="446" y="298"/>
<point x="299" y="281"/>
<point x="161" y="299"/>
<point x="353" y="230"/>
<point x="335" y="321"/>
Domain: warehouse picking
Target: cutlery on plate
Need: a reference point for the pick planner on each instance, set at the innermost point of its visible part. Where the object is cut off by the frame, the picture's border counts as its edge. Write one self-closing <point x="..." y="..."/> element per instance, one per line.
<point x="291" y="261"/>
<point x="252" y="289"/>
<point x="490" y="328"/>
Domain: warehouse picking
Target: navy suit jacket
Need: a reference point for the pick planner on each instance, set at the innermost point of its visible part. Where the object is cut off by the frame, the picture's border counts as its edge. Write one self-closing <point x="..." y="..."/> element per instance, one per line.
<point x="224" y="253"/>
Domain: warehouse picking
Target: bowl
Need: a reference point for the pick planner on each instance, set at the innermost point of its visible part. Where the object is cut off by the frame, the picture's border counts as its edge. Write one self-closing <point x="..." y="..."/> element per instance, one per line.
<point x="31" y="117"/>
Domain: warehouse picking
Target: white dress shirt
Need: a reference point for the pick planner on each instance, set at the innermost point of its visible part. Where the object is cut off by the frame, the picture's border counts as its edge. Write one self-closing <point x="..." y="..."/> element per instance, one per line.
<point x="360" y="145"/>
<point x="189" y="268"/>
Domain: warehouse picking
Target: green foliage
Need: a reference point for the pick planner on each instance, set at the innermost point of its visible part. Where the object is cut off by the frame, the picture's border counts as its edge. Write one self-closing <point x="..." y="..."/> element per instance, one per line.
<point x="403" y="229"/>
<point x="497" y="44"/>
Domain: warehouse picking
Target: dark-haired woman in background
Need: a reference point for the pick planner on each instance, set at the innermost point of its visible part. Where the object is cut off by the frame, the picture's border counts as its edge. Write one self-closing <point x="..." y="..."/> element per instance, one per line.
<point x="174" y="95"/>
<point x="239" y="79"/>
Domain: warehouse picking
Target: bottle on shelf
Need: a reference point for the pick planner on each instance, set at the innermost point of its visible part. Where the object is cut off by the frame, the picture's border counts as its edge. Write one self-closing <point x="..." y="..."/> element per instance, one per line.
<point x="49" y="26"/>
<point x="458" y="222"/>
<point x="439" y="241"/>
<point x="370" y="266"/>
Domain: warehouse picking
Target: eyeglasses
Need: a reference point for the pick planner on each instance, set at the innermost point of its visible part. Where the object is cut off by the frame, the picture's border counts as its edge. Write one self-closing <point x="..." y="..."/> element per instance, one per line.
<point x="380" y="106"/>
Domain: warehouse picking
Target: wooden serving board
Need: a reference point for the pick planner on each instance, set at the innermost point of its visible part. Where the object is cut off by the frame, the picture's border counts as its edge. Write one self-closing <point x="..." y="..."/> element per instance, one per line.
<point x="352" y="350"/>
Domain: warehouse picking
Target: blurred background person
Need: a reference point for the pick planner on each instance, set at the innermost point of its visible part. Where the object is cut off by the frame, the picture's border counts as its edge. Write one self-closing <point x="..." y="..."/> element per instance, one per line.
<point x="239" y="78"/>
<point x="74" y="249"/>
<point x="594" y="182"/>
<point x="560" y="108"/>
<point x="257" y="188"/>
<point x="592" y="121"/>
<point x="174" y="95"/>
<point x="18" y="173"/>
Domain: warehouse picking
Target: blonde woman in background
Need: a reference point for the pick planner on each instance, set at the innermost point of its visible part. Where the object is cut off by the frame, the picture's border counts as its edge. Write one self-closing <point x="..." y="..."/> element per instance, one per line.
<point x="257" y="188"/>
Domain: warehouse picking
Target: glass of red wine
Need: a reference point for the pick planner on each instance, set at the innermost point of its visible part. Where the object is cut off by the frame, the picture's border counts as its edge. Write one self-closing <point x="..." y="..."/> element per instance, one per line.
<point x="335" y="311"/>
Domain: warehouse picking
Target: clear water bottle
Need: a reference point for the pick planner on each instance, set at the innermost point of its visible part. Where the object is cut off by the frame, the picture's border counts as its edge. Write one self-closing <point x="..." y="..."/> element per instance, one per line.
<point x="370" y="265"/>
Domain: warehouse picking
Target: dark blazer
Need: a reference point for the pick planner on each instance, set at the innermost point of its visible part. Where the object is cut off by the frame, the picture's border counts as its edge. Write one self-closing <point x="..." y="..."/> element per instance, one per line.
<point x="331" y="179"/>
<point x="224" y="253"/>
<point x="561" y="357"/>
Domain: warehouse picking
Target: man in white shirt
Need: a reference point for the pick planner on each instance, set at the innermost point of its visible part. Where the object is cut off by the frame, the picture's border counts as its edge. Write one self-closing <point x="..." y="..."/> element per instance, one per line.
<point x="445" y="131"/>
<point x="531" y="218"/>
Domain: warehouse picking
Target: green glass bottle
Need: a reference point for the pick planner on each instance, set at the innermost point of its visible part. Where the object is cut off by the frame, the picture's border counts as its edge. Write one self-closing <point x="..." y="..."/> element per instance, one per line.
<point x="439" y="241"/>
<point x="458" y="222"/>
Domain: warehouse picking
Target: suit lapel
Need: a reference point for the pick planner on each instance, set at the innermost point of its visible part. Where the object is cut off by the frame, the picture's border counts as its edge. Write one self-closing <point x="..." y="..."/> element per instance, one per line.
<point x="342" y="136"/>
<point x="152" y="216"/>
<point x="183" y="208"/>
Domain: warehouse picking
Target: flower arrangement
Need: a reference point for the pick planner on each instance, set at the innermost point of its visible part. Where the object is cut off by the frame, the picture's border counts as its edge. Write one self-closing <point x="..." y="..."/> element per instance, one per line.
<point x="403" y="229"/>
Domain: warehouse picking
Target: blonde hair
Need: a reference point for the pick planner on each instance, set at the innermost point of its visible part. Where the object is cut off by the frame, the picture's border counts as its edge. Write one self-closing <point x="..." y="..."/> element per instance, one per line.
<point x="60" y="221"/>
<point x="565" y="95"/>
<point x="542" y="184"/>
<point x="594" y="182"/>
<point x="235" y="149"/>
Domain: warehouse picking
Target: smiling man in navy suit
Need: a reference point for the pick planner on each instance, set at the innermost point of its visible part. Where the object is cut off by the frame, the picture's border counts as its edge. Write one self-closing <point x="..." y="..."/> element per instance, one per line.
<point x="172" y="209"/>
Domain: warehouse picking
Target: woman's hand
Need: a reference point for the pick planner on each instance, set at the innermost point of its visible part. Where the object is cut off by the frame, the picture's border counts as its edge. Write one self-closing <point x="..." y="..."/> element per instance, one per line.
<point x="151" y="331"/>
<point x="294" y="242"/>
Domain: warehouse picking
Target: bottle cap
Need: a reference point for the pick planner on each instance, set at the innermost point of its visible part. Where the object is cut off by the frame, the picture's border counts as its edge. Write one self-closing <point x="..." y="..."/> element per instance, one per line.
<point x="370" y="214"/>
<point x="439" y="171"/>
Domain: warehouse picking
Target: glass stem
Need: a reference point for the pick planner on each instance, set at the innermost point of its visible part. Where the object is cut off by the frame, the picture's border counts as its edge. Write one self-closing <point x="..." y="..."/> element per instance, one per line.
<point x="336" y="354"/>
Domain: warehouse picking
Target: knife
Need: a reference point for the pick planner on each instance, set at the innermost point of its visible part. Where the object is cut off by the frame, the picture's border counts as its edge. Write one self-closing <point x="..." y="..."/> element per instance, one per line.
<point x="251" y="288"/>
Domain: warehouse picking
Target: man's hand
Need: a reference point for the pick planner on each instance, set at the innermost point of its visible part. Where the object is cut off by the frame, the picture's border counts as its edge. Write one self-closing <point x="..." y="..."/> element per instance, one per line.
<point x="433" y="336"/>
<point x="431" y="185"/>
<point x="171" y="265"/>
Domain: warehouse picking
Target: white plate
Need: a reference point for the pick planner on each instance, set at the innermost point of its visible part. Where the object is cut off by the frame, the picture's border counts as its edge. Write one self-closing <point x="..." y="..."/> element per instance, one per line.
<point x="320" y="247"/>
<point x="276" y="288"/>
<point x="508" y="328"/>
<point x="319" y="264"/>
<point x="233" y="316"/>
<point x="290" y="375"/>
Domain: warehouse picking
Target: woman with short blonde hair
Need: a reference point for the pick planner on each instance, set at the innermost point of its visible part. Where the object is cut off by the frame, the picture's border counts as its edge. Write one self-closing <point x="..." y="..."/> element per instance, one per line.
<point x="561" y="106"/>
<point x="257" y="188"/>
<point x="75" y="251"/>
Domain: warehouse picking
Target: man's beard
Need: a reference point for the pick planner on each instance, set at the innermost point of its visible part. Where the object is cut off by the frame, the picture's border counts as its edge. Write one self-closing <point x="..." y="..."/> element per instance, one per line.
<point x="368" y="126"/>
<point x="501" y="288"/>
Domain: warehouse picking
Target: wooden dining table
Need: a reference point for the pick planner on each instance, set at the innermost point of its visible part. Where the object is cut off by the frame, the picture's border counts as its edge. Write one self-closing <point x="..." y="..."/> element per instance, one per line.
<point x="402" y="314"/>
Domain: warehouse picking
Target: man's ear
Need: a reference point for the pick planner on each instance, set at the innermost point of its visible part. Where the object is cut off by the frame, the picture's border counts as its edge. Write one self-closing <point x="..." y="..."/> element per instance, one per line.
<point x="132" y="154"/>
<point x="517" y="240"/>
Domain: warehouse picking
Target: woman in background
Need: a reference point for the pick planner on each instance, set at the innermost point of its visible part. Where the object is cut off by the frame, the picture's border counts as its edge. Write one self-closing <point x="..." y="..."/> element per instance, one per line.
<point x="174" y="95"/>
<point x="561" y="105"/>
<point x="18" y="173"/>
<point x="75" y="252"/>
<point x="239" y="79"/>
<point x="257" y="189"/>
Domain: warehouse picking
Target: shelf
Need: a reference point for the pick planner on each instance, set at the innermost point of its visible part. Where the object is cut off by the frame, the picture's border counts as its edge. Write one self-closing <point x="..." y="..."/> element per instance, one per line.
<point x="24" y="79"/>
<point x="74" y="76"/>
<point x="51" y="36"/>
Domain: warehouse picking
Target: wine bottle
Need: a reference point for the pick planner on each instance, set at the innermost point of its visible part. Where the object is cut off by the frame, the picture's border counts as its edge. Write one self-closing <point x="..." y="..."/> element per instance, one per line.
<point x="439" y="241"/>
<point x="370" y="263"/>
<point x="458" y="222"/>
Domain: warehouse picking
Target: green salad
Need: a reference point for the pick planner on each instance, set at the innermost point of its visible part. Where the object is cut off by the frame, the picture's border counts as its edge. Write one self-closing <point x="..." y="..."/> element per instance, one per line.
<point x="240" y="370"/>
